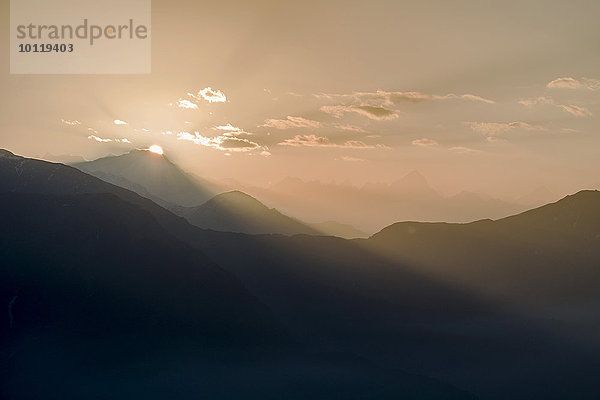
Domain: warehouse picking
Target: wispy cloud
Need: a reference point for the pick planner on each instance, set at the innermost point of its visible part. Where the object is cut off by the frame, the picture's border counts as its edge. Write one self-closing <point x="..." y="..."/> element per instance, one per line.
<point x="577" y="111"/>
<point x="106" y="140"/>
<point x="210" y="95"/>
<point x="566" y="83"/>
<point x="290" y="123"/>
<point x="536" y="100"/>
<point x="320" y="141"/>
<point x="350" y="128"/>
<point x="388" y="98"/>
<point x="498" y="128"/>
<point x="372" y="112"/>
<point x="227" y="127"/>
<point x="351" y="159"/>
<point x="221" y="142"/>
<point x="463" y="150"/>
<point x="70" y="122"/>
<point x="185" y="103"/>
<point x="99" y="139"/>
<point x="207" y="94"/>
<point x="230" y="130"/>
<point x="572" y="83"/>
<point x="424" y="142"/>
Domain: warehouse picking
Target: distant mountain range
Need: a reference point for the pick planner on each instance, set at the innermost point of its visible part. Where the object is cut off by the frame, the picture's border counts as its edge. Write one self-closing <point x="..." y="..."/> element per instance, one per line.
<point x="155" y="177"/>
<point x="103" y="288"/>
<point x="375" y="205"/>
<point x="370" y="207"/>
<point x="108" y="295"/>
<point x="153" y="173"/>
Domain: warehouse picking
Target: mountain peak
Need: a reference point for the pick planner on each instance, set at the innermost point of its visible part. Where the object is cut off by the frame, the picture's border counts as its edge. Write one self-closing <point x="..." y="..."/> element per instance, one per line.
<point x="413" y="181"/>
<point x="236" y="198"/>
<point x="152" y="171"/>
<point x="7" y="154"/>
<point x="415" y="177"/>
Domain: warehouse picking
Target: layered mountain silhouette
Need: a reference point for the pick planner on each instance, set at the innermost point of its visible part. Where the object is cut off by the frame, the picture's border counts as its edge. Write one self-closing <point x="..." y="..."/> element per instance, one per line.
<point x="155" y="177"/>
<point x="108" y="295"/>
<point x="238" y="212"/>
<point x="499" y="308"/>
<point x="375" y="205"/>
<point x="154" y="174"/>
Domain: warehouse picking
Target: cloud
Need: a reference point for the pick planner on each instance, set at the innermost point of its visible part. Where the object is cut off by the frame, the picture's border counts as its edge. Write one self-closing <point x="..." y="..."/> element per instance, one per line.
<point x="207" y="94"/>
<point x="567" y="83"/>
<point x="351" y="159"/>
<point x="572" y="83"/>
<point x="424" y="142"/>
<point x="382" y="97"/>
<point x="184" y="103"/>
<point x="291" y="122"/>
<point x="104" y="140"/>
<point x="230" y="130"/>
<point x="210" y="95"/>
<point x="70" y="122"/>
<point x="570" y="108"/>
<point x="319" y="141"/>
<point x="222" y="142"/>
<point x="350" y="128"/>
<point x="372" y="112"/>
<point x="119" y="122"/>
<point x="99" y="139"/>
<point x="227" y="127"/>
<point x="575" y="110"/>
<point x="536" y="100"/>
<point x="498" y="128"/>
<point x="417" y="97"/>
<point x="463" y="150"/>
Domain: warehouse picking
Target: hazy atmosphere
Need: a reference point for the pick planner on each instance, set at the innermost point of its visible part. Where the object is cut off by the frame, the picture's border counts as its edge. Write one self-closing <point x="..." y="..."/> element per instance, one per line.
<point x="492" y="97"/>
<point x="300" y="200"/>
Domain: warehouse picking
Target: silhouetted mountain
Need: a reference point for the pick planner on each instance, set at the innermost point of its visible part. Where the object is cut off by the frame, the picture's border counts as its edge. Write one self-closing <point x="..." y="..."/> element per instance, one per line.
<point x="25" y="175"/>
<point x="109" y="297"/>
<point x="497" y="307"/>
<point x="333" y="228"/>
<point x="63" y="158"/>
<point x="374" y="205"/>
<point x="413" y="184"/>
<point x="155" y="177"/>
<point x="238" y="212"/>
<point x="155" y="173"/>
<point x="543" y="261"/>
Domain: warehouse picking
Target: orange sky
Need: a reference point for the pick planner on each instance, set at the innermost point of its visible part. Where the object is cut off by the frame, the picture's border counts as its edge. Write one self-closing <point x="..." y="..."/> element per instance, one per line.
<point x="495" y="97"/>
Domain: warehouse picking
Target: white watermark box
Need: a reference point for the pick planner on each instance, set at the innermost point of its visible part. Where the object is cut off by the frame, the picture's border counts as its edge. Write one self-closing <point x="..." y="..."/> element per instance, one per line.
<point x="80" y="36"/>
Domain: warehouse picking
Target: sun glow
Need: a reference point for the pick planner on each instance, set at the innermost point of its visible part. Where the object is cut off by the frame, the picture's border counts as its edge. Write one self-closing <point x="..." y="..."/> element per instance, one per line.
<point x="156" y="149"/>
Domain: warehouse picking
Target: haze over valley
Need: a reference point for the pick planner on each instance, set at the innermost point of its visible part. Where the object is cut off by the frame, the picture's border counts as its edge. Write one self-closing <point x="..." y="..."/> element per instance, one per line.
<point x="302" y="200"/>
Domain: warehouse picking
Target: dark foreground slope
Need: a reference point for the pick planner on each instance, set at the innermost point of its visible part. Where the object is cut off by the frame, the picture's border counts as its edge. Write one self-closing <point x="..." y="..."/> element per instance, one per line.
<point x="410" y="302"/>
<point x="546" y="260"/>
<point x="341" y="295"/>
<point x="102" y="301"/>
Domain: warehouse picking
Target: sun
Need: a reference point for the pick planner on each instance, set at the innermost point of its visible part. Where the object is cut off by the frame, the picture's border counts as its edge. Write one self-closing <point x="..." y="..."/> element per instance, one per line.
<point x="156" y="149"/>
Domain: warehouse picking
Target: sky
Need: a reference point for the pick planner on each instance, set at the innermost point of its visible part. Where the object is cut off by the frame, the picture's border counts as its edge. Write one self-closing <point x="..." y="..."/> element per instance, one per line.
<point x="488" y="96"/>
